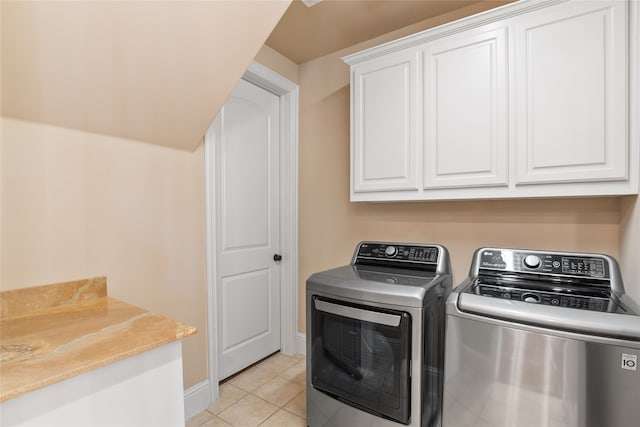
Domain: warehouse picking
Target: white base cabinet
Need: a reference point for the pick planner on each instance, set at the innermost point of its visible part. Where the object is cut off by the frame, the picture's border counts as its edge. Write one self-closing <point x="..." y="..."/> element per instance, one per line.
<point x="144" y="390"/>
<point x="533" y="99"/>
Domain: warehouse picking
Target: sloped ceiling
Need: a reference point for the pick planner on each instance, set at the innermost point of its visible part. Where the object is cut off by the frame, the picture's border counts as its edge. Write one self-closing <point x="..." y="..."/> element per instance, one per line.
<point x="153" y="71"/>
<point x="305" y="33"/>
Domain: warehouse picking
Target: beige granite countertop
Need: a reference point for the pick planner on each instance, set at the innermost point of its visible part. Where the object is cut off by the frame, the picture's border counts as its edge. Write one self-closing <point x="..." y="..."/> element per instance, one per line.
<point x="54" y="332"/>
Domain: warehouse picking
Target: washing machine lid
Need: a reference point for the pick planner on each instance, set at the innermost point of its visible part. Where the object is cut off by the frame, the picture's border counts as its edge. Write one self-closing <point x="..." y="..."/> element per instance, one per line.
<point x="565" y="291"/>
<point x="614" y="325"/>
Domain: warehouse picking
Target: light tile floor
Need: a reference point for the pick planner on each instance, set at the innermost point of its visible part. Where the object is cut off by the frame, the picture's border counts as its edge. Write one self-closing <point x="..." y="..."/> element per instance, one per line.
<point x="270" y="393"/>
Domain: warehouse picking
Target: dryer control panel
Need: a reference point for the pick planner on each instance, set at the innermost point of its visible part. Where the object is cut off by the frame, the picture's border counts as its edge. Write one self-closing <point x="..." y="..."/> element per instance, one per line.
<point x="398" y="252"/>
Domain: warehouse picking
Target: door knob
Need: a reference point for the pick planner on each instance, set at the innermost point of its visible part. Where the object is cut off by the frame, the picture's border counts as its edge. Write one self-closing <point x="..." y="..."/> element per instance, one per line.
<point x="277" y="257"/>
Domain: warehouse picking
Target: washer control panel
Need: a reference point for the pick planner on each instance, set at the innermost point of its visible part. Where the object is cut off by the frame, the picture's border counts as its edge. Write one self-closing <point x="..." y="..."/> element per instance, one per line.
<point x="544" y="298"/>
<point x="398" y="252"/>
<point x="543" y="262"/>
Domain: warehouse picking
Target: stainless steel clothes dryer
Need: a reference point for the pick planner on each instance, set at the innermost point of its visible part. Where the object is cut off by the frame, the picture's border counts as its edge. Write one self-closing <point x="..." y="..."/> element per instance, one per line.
<point x="375" y="337"/>
<point x="538" y="338"/>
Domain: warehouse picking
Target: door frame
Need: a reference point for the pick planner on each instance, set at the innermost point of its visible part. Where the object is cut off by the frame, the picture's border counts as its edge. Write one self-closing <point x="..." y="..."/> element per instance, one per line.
<point x="287" y="90"/>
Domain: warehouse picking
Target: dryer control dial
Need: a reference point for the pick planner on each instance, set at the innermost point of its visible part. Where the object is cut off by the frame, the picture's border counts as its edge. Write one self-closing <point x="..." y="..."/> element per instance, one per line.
<point x="391" y="251"/>
<point x="532" y="261"/>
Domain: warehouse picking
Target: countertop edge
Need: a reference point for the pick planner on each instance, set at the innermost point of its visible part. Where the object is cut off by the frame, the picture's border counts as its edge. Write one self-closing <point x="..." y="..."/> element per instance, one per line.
<point x="136" y="326"/>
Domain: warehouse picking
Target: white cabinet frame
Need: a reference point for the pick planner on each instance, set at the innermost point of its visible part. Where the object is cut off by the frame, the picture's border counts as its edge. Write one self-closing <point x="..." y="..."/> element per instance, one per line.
<point x="536" y="166"/>
<point x="385" y="114"/>
<point x="583" y="138"/>
<point x="466" y="126"/>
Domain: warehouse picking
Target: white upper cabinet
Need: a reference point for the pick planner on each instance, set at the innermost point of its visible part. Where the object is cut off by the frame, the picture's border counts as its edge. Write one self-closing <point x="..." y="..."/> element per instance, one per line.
<point x="465" y="103"/>
<point x="385" y="117"/>
<point x="532" y="99"/>
<point x="571" y="106"/>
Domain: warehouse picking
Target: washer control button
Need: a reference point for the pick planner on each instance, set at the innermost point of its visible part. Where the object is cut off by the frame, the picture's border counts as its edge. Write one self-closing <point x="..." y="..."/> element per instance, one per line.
<point x="532" y="298"/>
<point x="391" y="251"/>
<point x="532" y="261"/>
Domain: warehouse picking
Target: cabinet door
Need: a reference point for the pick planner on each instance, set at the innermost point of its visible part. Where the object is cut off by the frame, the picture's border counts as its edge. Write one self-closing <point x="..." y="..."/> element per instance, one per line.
<point x="571" y="85"/>
<point x="384" y="109"/>
<point x="465" y="101"/>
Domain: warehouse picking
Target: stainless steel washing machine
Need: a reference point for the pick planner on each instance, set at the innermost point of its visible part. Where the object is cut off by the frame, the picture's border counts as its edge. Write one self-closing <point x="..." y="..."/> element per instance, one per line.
<point x="375" y="337"/>
<point x="538" y="338"/>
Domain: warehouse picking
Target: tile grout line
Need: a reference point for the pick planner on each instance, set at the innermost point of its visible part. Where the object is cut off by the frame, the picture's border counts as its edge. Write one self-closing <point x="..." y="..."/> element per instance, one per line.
<point x="279" y="407"/>
<point x="252" y="393"/>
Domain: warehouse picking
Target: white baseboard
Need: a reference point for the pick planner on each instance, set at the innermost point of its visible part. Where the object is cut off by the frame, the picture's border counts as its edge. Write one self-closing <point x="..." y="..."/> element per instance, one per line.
<point x="301" y="343"/>
<point x="196" y="399"/>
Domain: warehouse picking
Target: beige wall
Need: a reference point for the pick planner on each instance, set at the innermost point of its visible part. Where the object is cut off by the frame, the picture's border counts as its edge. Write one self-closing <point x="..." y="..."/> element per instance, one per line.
<point x="630" y="244"/>
<point x="330" y="226"/>
<point x="278" y="63"/>
<point x="76" y="204"/>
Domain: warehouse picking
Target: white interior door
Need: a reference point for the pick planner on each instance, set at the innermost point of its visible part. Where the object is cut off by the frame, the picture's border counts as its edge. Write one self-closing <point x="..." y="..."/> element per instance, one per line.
<point x="247" y="143"/>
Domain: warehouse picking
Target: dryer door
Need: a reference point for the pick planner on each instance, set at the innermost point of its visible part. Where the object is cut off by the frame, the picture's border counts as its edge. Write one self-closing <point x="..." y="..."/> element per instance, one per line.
<point x="362" y="356"/>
